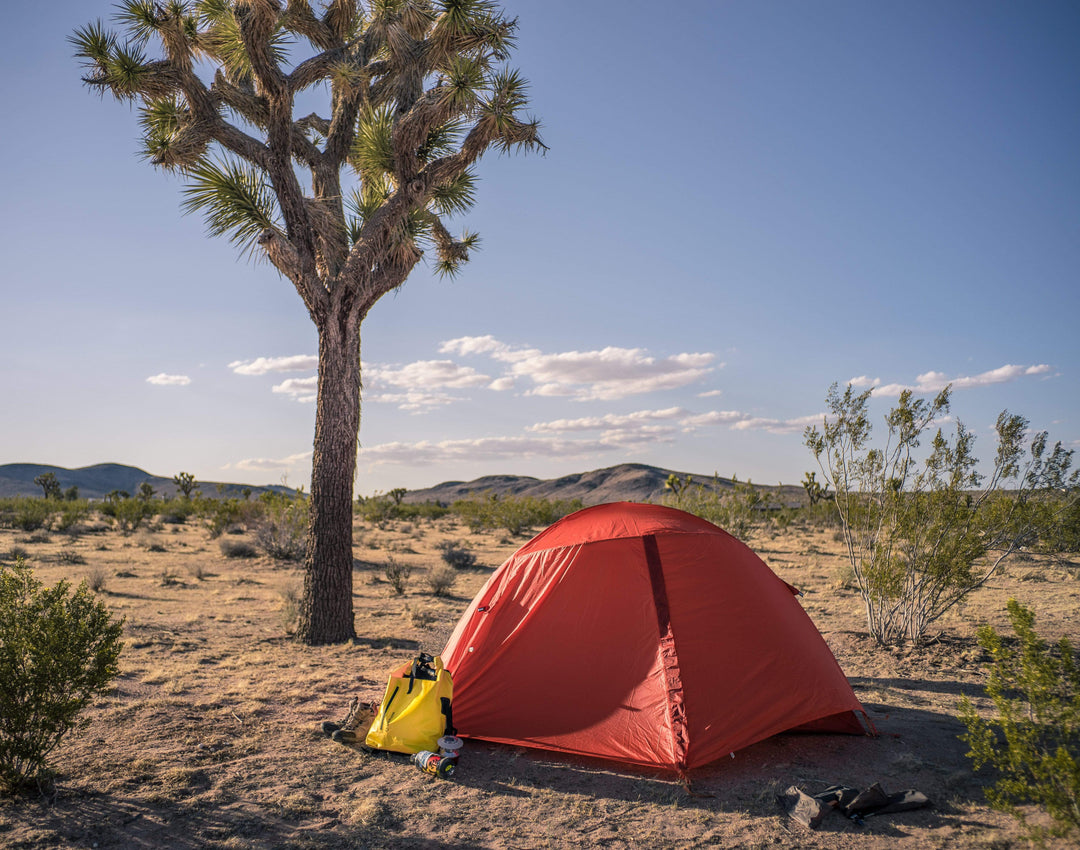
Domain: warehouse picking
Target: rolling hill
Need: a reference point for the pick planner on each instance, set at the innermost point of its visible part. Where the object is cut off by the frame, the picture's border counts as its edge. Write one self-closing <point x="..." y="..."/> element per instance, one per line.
<point x="627" y="482"/>
<point x="94" y="482"/>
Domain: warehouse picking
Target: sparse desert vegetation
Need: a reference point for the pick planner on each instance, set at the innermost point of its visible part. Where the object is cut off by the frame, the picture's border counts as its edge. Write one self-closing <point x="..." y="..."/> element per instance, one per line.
<point x="210" y="736"/>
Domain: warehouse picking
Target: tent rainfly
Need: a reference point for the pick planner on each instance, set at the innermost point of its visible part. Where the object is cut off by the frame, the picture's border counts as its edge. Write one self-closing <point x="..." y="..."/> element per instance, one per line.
<point x="642" y="634"/>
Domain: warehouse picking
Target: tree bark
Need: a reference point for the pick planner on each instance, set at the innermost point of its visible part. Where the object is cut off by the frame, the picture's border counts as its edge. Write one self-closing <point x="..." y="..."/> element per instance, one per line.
<point x="326" y="612"/>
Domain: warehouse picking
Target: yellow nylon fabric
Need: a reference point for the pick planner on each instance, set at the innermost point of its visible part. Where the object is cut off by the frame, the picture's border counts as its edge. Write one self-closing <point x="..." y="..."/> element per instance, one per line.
<point x="411" y="721"/>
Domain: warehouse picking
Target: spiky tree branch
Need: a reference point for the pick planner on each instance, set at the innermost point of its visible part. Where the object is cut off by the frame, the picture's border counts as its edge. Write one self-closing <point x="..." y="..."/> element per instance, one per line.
<point x="343" y="201"/>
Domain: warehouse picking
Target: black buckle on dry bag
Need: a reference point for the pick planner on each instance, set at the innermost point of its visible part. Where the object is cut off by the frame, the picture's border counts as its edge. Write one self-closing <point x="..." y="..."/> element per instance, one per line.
<point x="421" y="669"/>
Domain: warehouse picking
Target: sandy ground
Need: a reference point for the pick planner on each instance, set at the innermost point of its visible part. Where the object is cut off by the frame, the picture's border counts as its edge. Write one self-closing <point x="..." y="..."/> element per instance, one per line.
<point x="210" y="737"/>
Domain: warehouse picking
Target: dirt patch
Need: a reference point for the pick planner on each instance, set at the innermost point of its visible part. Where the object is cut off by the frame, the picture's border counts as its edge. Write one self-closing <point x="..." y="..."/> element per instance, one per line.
<point x="210" y="736"/>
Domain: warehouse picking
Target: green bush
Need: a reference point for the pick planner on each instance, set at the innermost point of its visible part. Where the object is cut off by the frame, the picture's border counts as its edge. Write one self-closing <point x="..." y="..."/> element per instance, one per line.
<point x="737" y="508"/>
<point x="24" y="513"/>
<point x="1062" y="533"/>
<point x="1033" y="742"/>
<point x="923" y="526"/>
<point x="71" y="512"/>
<point x="176" y="511"/>
<point x="380" y="509"/>
<point x="57" y="651"/>
<point x="127" y="513"/>
<point x="220" y="514"/>
<point x="515" y="514"/>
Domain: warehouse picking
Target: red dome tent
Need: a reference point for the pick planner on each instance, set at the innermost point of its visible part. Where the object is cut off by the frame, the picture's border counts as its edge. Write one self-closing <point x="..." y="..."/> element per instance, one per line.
<point x="642" y="634"/>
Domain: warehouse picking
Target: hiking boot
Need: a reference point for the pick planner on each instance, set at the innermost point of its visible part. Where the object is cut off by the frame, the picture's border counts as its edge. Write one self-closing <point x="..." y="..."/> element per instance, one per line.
<point x="330" y="728"/>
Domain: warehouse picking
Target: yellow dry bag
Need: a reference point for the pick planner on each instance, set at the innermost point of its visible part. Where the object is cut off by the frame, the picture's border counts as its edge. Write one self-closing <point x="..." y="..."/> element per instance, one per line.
<point x="415" y="710"/>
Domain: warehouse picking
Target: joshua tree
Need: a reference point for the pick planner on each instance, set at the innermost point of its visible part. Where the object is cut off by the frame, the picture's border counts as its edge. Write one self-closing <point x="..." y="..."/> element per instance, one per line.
<point x="185" y="483"/>
<point x="341" y="203"/>
<point x="48" y="482"/>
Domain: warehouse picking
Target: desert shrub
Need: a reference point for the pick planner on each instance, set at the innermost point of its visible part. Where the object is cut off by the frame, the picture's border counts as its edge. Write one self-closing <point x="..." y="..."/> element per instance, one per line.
<point x="220" y="514"/>
<point x="423" y="510"/>
<point x="176" y="511"/>
<point x="377" y="509"/>
<point x="381" y="508"/>
<point x="71" y="512"/>
<point x="923" y="527"/>
<point x="58" y="649"/>
<point x="238" y="549"/>
<point x="515" y="514"/>
<point x="70" y="556"/>
<point x="738" y="507"/>
<point x="441" y="580"/>
<point x="127" y="513"/>
<point x="28" y="514"/>
<point x="282" y="531"/>
<point x="1033" y="741"/>
<point x="397" y="574"/>
<point x="289" y="611"/>
<point x="821" y="515"/>
<point x="17" y="552"/>
<point x="455" y="554"/>
<point x="1063" y="533"/>
<point x="97" y="579"/>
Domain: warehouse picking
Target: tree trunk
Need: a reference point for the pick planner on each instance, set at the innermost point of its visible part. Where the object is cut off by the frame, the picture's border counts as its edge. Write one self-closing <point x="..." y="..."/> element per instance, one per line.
<point x="326" y="612"/>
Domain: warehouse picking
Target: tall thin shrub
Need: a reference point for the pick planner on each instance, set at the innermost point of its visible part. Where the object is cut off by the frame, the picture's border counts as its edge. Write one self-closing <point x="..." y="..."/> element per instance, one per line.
<point x="1033" y="739"/>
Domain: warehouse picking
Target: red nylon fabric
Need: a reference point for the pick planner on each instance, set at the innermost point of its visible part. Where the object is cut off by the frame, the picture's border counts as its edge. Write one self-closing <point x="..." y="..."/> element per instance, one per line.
<point x="562" y="648"/>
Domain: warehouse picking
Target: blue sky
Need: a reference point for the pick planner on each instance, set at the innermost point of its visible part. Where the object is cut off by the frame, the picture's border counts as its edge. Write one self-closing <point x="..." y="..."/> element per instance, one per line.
<point x="743" y="202"/>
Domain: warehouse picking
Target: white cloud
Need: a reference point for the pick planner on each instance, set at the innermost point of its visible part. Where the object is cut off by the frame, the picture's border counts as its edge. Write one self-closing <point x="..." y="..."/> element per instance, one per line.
<point x="467" y="345"/>
<point x="933" y="382"/>
<point x="621" y="432"/>
<point x="412" y="401"/>
<point x="410" y="387"/>
<point x="713" y="417"/>
<point x="501" y="384"/>
<point x="599" y="375"/>
<point x="778" y="426"/>
<point x="263" y="365"/>
<point x="711" y="393"/>
<point x="736" y="420"/>
<point x="265" y="464"/>
<point x="164" y="380"/>
<point x="426" y="453"/>
<point x="611" y="421"/>
<point x="642" y="435"/>
<point x="428" y="374"/>
<point x="301" y="389"/>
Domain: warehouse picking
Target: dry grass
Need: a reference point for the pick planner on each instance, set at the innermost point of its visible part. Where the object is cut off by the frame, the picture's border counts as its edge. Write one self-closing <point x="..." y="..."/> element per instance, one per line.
<point x="211" y="739"/>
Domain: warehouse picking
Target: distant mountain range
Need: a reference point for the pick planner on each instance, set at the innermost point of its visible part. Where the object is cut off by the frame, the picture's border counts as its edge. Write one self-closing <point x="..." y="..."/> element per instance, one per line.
<point x="94" y="482"/>
<point x="627" y="482"/>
